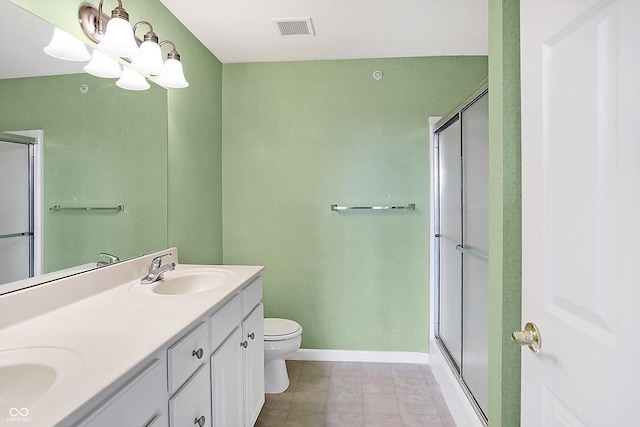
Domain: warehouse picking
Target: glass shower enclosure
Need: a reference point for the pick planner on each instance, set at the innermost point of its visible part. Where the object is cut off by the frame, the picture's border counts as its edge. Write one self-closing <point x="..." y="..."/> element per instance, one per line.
<point x="461" y="225"/>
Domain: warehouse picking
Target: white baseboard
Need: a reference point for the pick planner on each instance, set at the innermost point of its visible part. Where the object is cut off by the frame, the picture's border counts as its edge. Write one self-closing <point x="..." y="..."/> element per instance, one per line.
<point x="360" y="356"/>
<point x="461" y="409"/>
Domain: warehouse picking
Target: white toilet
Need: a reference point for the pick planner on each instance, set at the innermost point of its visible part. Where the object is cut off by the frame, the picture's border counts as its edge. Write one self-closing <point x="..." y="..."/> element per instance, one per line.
<point x="281" y="338"/>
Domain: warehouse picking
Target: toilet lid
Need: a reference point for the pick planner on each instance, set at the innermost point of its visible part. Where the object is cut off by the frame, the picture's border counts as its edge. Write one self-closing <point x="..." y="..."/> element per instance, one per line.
<point x="280" y="329"/>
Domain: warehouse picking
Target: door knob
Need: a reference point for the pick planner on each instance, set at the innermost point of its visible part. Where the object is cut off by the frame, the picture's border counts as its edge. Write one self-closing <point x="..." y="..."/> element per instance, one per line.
<point x="529" y="337"/>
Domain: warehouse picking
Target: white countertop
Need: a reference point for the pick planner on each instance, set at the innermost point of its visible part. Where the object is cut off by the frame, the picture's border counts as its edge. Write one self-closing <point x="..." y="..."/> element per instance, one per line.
<point x="110" y="332"/>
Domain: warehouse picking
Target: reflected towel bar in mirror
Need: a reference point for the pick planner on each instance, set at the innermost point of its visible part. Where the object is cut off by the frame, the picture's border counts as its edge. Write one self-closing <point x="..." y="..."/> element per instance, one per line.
<point x="410" y="206"/>
<point x="9" y="236"/>
<point x="119" y="208"/>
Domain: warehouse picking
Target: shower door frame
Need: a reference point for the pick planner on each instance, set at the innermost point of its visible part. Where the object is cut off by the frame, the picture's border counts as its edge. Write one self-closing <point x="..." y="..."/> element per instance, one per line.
<point x="442" y="124"/>
<point x="34" y="140"/>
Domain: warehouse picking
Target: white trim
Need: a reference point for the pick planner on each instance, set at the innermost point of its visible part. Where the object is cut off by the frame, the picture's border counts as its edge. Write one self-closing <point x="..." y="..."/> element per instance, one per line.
<point x="360" y="356"/>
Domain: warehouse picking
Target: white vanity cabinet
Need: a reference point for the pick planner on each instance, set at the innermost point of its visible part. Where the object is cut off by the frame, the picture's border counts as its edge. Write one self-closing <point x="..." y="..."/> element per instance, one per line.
<point x="128" y="354"/>
<point x="188" y="378"/>
<point x="139" y="402"/>
<point x="237" y="364"/>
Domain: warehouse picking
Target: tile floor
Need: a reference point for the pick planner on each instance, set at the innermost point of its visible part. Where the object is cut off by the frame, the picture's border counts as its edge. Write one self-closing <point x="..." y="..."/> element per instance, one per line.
<point x="351" y="394"/>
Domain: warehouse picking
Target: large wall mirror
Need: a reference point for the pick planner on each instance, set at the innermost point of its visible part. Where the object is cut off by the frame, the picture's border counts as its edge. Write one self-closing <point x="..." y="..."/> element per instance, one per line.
<point x="102" y="146"/>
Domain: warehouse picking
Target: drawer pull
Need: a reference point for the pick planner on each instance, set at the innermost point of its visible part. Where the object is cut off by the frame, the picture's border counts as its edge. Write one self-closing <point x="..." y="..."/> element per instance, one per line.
<point x="200" y="421"/>
<point x="198" y="353"/>
<point x="252" y="335"/>
<point x="244" y="344"/>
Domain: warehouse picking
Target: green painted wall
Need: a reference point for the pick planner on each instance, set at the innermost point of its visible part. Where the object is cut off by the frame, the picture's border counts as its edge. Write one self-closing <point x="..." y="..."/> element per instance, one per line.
<point x="96" y="153"/>
<point x="300" y="136"/>
<point x="194" y="129"/>
<point x="504" y="212"/>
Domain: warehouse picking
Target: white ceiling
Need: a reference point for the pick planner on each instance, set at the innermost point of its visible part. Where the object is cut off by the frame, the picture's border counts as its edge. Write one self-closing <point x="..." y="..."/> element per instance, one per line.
<point x="243" y="30"/>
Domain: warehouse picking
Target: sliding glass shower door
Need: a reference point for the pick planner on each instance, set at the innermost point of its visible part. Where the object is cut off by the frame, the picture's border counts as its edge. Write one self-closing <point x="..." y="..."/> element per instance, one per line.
<point x="17" y="207"/>
<point x="462" y="245"/>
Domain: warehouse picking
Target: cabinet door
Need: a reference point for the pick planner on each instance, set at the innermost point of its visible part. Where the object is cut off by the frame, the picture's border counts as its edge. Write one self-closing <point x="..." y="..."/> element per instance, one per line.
<point x="226" y="382"/>
<point x="253" y="365"/>
<point x="192" y="404"/>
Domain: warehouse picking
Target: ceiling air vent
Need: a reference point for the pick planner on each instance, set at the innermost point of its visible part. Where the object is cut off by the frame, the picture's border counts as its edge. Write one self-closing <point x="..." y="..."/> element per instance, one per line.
<point x="294" y="26"/>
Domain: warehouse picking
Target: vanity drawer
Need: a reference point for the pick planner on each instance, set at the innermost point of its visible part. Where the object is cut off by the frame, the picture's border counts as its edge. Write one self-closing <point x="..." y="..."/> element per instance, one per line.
<point x="192" y="404"/>
<point x="186" y="355"/>
<point x="136" y="403"/>
<point x="251" y="297"/>
<point x="225" y="321"/>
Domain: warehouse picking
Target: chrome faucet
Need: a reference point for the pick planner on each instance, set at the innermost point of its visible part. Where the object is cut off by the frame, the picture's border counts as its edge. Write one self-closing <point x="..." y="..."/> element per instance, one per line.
<point x="157" y="270"/>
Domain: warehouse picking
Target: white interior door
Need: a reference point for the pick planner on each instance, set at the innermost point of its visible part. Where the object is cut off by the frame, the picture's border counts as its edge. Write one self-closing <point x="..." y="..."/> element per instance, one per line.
<point x="581" y="211"/>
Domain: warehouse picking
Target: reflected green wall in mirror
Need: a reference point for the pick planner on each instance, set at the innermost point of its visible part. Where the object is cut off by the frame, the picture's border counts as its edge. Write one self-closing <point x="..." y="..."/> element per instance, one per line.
<point x="105" y="147"/>
<point x="193" y="147"/>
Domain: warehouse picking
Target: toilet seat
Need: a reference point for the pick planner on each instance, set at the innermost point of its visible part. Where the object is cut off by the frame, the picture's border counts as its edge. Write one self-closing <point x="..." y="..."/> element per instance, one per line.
<point x="280" y="329"/>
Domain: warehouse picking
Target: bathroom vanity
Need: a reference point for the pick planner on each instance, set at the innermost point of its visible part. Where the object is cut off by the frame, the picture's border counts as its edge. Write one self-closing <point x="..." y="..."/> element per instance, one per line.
<point x="101" y="349"/>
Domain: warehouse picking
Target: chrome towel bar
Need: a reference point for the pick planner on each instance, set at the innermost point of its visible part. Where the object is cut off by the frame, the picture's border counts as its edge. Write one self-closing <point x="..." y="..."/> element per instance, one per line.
<point x="119" y="208"/>
<point x="410" y="206"/>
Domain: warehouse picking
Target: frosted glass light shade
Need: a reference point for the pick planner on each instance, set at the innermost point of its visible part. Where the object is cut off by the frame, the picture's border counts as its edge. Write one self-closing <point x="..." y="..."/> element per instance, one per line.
<point x="103" y="66"/>
<point x="65" y="46"/>
<point x="150" y="60"/>
<point x="132" y="80"/>
<point x="119" y="39"/>
<point x="174" y="77"/>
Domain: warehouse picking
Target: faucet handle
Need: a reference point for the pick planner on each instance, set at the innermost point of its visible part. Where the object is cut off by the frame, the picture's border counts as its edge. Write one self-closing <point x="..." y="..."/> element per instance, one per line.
<point x="157" y="261"/>
<point x="111" y="259"/>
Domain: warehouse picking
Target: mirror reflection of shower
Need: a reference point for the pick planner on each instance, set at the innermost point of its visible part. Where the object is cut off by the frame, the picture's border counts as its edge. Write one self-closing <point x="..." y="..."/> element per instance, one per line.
<point x="21" y="210"/>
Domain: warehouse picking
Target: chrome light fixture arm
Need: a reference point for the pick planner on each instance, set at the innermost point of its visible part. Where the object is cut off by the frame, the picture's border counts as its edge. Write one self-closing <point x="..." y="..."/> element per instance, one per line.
<point x="93" y="21"/>
<point x="174" y="53"/>
<point x="149" y="36"/>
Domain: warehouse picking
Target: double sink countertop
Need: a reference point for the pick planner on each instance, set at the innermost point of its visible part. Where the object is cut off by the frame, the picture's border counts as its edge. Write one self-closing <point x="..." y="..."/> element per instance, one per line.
<point x="63" y="343"/>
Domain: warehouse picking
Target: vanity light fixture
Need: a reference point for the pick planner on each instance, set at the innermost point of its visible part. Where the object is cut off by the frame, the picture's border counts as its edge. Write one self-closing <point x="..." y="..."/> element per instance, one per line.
<point x="146" y="60"/>
<point x="150" y="60"/>
<point x="104" y="66"/>
<point x="65" y="46"/>
<point x="132" y="80"/>
<point x="174" y="77"/>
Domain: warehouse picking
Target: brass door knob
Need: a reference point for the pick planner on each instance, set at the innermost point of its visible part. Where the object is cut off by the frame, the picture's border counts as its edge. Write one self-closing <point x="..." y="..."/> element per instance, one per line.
<point x="529" y="337"/>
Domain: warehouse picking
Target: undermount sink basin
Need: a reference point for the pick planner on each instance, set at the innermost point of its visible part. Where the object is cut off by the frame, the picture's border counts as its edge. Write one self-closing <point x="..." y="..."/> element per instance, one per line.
<point x="27" y="382"/>
<point x="26" y="374"/>
<point x="191" y="281"/>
